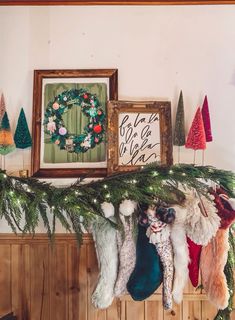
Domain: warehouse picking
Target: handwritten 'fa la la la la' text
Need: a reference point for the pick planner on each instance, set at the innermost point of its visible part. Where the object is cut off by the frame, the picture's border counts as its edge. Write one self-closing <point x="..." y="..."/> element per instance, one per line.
<point x="136" y="142"/>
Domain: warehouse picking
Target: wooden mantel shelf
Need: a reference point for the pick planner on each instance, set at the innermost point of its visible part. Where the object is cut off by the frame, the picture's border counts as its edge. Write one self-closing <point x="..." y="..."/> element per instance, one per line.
<point x="43" y="237"/>
<point x="113" y="2"/>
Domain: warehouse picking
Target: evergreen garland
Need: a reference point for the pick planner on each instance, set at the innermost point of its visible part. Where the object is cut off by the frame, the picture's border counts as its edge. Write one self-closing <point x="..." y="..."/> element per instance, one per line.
<point x="31" y="198"/>
<point x="80" y="204"/>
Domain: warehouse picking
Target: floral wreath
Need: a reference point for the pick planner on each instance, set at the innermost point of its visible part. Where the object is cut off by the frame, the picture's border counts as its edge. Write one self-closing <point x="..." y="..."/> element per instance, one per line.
<point x="93" y="133"/>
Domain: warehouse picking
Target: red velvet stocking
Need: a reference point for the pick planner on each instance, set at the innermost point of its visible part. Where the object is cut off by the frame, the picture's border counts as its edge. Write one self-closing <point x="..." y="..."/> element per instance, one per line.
<point x="194" y="254"/>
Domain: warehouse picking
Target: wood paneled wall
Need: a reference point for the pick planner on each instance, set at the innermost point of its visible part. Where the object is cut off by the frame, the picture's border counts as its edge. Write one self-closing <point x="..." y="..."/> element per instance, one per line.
<point x="40" y="281"/>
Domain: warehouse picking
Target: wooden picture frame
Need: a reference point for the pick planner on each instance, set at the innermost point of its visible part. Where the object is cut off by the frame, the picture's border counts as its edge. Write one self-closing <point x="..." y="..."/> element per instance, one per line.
<point x="112" y="2"/>
<point x="138" y="133"/>
<point x="108" y="78"/>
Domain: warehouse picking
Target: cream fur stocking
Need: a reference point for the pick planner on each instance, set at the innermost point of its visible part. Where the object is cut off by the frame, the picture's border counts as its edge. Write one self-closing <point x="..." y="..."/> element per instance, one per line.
<point x="104" y="236"/>
<point x="201" y="224"/>
<point x="181" y="253"/>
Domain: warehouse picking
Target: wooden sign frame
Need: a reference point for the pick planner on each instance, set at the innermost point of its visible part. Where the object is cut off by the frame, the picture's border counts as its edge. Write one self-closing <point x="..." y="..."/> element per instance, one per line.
<point x="163" y="108"/>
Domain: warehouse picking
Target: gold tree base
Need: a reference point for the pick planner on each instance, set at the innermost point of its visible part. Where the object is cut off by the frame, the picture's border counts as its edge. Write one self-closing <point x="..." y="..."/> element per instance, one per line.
<point x="24" y="173"/>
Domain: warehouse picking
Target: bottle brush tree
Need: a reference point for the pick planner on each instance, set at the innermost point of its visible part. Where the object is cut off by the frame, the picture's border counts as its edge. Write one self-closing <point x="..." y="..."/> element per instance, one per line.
<point x="22" y="135"/>
<point x="7" y="144"/>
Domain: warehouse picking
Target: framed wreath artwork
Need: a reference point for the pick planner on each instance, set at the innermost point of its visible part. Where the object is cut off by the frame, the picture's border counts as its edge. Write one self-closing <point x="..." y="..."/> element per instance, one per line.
<point x="69" y="122"/>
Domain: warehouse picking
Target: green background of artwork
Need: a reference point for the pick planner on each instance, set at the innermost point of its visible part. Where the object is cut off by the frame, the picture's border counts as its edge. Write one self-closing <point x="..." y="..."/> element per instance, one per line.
<point x="74" y="121"/>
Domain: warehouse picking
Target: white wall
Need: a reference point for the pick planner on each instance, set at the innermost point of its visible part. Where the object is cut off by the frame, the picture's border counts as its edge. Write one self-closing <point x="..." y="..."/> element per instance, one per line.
<point x="158" y="50"/>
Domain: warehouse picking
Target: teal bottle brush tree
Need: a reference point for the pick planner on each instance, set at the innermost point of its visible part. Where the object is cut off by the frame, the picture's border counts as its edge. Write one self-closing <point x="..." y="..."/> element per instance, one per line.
<point x="22" y="138"/>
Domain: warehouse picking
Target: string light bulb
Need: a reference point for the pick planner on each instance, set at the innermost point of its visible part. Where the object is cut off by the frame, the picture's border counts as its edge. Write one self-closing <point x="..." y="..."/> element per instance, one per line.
<point x="105" y="186"/>
<point x="155" y="173"/>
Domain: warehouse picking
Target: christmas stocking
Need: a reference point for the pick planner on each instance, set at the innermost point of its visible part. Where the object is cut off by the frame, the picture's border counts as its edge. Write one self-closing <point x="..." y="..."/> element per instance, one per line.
<point x="213" y="260"/>
<point x="126" y="247"/>
<point x="202" y="220"/>
<point x="104" y="236"/>
<point x="214" y="255"/>
<point x="181" y="253"/>
<point x="225" y="207"/>
<point x="159" y="234"/>
<point x="194" y="255"/>
<point x="147" y="274"/>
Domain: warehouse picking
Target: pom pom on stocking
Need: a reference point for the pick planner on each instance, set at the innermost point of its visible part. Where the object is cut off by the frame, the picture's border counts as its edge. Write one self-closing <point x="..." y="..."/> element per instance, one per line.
<point x="127" y="207"/>
<point x="108" y="209"/>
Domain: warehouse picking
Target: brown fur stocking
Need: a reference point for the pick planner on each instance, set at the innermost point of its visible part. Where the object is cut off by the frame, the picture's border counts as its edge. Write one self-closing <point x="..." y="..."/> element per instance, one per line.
<point x="213" y="259"/>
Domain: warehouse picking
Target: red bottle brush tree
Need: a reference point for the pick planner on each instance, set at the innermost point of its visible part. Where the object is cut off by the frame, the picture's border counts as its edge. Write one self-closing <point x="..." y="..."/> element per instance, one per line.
<point x="196" y="139"/>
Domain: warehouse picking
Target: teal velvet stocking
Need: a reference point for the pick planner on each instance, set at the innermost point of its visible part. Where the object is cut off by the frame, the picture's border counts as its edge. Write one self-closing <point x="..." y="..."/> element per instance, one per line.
<point x="147" y="275"/>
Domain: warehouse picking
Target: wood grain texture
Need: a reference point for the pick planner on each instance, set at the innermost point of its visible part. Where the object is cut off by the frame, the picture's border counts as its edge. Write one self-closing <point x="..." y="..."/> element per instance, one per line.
<point x="114" y="2"/>
<point x="73" y="263"/>
<point x="5" y="279"/>
<point x="153" y="310"/>
<point x="59" y="291"/>
<point x="39" y="281"/>
<point x="39" y="278"/>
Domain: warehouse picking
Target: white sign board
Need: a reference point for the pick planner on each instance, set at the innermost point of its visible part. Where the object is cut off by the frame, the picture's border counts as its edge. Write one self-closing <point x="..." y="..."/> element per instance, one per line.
<point x="139" y="138"/>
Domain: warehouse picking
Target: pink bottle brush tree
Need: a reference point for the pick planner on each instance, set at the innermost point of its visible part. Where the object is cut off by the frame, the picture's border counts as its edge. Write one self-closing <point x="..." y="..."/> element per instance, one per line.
<point x="206" y="120"/>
